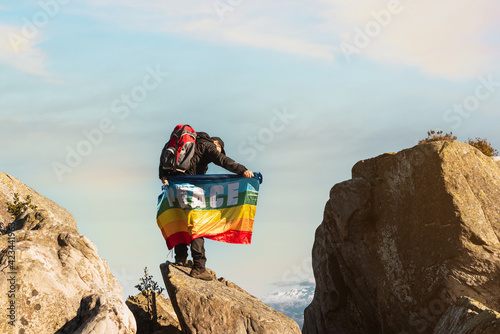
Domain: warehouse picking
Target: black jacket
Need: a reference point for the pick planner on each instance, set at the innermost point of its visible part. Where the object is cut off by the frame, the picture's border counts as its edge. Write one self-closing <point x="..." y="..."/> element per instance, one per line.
<point x="205" y="153"/>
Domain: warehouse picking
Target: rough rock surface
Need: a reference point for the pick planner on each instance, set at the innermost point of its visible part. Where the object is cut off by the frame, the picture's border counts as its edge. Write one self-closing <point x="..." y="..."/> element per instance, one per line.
<point x="166" y="320"/>
<point x="497" y="160"/>
<point x="220" y="306"/>
<point x="467" y="316"/>
<point x="59" y="281"/>
<point x="10" y="185"/>
<point x="401" y="241"/>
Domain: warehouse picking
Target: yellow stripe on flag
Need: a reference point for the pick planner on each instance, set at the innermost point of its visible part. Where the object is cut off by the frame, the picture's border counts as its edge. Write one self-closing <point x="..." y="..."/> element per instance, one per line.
<point x="239" y="218"/>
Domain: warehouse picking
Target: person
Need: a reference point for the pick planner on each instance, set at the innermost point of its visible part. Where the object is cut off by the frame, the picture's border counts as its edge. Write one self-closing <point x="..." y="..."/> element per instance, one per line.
<point x="207" y="150"/>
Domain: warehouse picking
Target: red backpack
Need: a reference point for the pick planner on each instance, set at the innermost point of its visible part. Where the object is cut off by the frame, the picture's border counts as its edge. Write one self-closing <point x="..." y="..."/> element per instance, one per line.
<point x="178" y="151"/>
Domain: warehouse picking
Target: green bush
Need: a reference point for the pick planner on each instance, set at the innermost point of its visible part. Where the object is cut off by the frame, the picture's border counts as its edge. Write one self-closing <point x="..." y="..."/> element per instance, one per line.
<point x="18" y="207"/>
<point x="148" y="284"/>
<point x="148" y="287"/>
<point x="484" y="146"/>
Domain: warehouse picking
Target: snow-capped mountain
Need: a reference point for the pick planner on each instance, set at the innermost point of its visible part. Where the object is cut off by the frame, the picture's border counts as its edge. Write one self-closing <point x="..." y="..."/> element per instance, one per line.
<point x="291" y="303"/>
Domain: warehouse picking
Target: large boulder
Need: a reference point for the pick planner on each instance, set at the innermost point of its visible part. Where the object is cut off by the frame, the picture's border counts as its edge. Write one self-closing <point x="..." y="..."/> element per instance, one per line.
<point x="51" y="277"/>
<point x="220" y="306"/>
<point x="401" y="241"/>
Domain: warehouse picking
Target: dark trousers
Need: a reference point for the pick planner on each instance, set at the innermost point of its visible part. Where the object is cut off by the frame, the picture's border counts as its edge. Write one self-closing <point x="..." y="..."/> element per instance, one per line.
<point x="197" y="252"/>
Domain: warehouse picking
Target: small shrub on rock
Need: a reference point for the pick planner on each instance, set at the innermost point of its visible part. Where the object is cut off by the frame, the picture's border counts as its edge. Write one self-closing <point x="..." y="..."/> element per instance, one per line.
<point x="148" y="287"/>
<point x="17" y="207"/>
<point x="484" y="146"/>
<point x="481" y="144"/>
<point x="147" y="284"/>
<point x="436" y="136"/>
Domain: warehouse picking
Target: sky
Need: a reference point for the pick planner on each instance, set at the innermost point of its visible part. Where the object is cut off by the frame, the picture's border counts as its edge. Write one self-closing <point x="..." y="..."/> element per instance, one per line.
<point x="299" y="91"/>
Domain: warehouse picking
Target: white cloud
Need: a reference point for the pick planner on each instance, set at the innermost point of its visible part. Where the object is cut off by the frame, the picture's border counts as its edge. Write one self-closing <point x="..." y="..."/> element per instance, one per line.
<point x="445" y="39"/>
<point x="19" y="51"/>
<point x="249" y="35"/>
<point x="280" y="43"/>
<point x="154" y="8"/>
<point x="252" y="24"/>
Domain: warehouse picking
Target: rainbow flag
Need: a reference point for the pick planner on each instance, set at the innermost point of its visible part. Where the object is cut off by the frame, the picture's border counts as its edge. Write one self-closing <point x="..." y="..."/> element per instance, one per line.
<point x="220" y="207"/>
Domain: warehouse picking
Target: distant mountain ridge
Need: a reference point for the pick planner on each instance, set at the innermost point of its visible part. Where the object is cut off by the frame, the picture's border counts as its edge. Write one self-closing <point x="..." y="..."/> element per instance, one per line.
<point x="292" y="302"/>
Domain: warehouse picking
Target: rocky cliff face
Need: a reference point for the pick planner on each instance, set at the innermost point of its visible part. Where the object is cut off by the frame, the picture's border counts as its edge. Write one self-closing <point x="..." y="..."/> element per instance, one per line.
<point x="51" y="277"/>
<point x="404" y="239"/>
<point x="220" y="306"/>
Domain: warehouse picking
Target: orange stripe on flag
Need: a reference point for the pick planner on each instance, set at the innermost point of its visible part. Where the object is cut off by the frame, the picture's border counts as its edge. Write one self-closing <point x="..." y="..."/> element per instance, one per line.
<point x="241" y="224"/>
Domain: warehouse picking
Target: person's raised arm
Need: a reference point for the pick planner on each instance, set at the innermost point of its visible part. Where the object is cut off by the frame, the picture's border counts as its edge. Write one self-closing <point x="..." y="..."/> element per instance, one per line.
<point x="227" y="163"/>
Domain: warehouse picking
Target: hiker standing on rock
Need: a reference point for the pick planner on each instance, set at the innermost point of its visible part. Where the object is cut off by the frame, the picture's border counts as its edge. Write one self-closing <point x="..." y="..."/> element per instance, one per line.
<point x="206" y="150"/>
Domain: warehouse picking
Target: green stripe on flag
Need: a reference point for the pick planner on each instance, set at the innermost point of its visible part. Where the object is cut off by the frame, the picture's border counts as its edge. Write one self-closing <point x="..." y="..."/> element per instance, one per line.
<point x="247" y="197"/>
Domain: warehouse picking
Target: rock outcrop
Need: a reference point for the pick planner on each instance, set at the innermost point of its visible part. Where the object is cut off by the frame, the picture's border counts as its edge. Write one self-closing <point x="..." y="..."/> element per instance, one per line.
<point x="404" y="239"/>
<point x="220" y="306"/>
<point x="154" y="314"/>
<point x="467" y="316"/>
<point x="10" y="185"/>
<point x="51" y="277"/>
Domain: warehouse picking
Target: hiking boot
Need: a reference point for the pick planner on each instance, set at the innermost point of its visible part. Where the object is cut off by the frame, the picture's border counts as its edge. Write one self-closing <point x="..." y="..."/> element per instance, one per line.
<point x="201" y="273"/>
<point x="184" y="263"/>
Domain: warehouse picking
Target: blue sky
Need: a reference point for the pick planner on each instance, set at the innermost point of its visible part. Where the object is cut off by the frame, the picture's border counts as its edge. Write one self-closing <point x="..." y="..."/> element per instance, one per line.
<point x="298" y="91"/>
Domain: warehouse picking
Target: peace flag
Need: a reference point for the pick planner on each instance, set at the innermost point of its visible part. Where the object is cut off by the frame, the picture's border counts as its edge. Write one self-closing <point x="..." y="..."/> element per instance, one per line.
<point x="220" y="207"/>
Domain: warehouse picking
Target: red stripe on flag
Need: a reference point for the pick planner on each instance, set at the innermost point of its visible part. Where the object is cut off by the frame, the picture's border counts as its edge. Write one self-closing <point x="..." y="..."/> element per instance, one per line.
<point x="178" y="238"/>
<point x="232" y="237"/>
